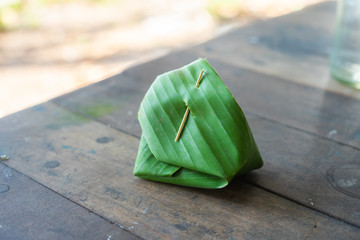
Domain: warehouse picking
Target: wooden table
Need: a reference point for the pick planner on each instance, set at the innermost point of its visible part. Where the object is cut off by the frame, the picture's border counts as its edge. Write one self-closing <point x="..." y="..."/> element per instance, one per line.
<point x="69" y="175"/>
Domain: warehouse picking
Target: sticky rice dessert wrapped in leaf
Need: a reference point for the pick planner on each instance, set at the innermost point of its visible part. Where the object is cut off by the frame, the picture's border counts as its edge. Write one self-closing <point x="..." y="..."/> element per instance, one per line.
<point x="193" y="131"/>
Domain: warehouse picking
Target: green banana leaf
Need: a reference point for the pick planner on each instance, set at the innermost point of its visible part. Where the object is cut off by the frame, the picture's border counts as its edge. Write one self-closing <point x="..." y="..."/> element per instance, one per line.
<point x="215" y="144"/>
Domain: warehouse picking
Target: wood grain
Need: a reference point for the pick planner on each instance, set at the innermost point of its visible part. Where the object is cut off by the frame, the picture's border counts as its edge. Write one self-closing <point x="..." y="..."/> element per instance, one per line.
<point x="83" y="146"/>
<point x="31" y="211"/>
<point x="323" y="113"/>
<point x="91" y="164"/>
<point x="319" y="112"/>
<point x="293" y="47"/>
<point x="263" y="98"/>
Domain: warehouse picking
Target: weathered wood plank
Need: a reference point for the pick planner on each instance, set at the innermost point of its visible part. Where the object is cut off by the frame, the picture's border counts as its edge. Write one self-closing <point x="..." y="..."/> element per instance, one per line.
<point x="31" y="211"/>
<point x="294" y="47"/>
<point x="314" y="172"/>
<point x="328" y="115"/>
<point x="121" y="94"/>
<point x="92" y="164"/>
<point x="322" y="113"/>
<point x="269" y="98"/>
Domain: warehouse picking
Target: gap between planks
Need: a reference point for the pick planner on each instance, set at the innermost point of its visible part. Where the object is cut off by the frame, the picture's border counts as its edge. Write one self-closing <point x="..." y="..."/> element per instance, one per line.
<point x="299" y="203"/>
<point x="76" y="203"/>
<point x="242" y="180"/>
<point x="302" y="130"/>
<point x="287" y="125"/>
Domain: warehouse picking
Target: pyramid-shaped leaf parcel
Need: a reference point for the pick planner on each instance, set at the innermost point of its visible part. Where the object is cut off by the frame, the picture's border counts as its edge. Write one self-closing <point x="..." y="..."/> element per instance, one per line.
<point x="215" y="143"/>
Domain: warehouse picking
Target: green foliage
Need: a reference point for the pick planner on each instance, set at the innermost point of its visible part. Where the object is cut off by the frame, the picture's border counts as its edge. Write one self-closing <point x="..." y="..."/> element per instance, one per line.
<point x="25" y="13"/>
<point x="224" y="10"/>
<point x="9" y="12"/>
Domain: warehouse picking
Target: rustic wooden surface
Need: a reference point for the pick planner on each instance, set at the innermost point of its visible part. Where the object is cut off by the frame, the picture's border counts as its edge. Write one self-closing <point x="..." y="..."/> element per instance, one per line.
<point x="69" y="175"/>
<point x="32" y="211"/>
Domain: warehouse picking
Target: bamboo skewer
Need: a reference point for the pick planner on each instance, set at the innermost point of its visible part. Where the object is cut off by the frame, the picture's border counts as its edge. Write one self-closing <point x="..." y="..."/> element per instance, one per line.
<point x="199" y="78"/>
<point x="182" y="125"/>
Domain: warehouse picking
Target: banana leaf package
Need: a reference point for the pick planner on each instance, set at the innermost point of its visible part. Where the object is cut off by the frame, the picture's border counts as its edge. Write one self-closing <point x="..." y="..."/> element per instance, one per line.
<point x="193" y="131"/>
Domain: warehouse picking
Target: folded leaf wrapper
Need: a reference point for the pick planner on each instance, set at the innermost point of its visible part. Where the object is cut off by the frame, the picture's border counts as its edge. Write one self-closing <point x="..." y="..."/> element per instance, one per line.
<point x="216" y="143"/>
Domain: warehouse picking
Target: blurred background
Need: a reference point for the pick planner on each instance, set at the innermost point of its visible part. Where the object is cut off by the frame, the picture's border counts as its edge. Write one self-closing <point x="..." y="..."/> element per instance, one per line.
<point x="50" y="47"/>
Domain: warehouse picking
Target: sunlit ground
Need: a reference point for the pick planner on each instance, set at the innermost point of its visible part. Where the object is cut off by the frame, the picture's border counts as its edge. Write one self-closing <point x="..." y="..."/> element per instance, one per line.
<point x="52" y="47"/>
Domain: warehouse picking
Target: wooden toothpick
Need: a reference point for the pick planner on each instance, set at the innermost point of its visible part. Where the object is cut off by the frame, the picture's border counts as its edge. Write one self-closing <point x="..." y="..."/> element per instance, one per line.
<point x="182" y="125"/>
<point x="199" y="78"/>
